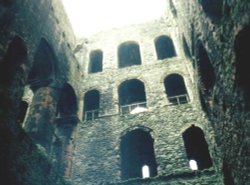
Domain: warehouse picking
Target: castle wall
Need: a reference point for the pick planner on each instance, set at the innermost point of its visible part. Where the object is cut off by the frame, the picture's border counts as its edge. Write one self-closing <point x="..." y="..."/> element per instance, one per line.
<point x="217" y="24"/>
<point x="24" y="162"/>
<point x="97" y="157"/>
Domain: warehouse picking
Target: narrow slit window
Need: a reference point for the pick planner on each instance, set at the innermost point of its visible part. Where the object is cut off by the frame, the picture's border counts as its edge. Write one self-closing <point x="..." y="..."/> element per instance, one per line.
<point x="145" y="172"/>
<point x="23" y="107"/>
<point x="96" y="61"/>
<point x="193" y="165"/>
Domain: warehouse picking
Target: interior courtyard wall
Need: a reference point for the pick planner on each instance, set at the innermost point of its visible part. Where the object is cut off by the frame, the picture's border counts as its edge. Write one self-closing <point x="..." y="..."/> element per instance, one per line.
<point x="97" y="155"/>
<point x="218" y="33"/>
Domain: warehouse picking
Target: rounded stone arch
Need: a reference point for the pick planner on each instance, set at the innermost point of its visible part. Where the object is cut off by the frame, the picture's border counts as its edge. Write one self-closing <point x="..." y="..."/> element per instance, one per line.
<point x="91" y="104"/>
<point x="44" y="67"/>
<point x="197" y="148"/>
<point x="67" y="103"/>
<point x="16" y="56"/>
<point x="89" y="94"/>
<point x="125" y="85"/>
<point x="144" y="128"/>
<point x="17" y="52"/>
<point x="176" y="89"/>
<point x="166" y="73"/>
<point x="187" y="125"/>
<point x="140" y="78"/>
<point x="129" y="54"/>
<point x="164" y="47"/>
<point x="136" y="151"/>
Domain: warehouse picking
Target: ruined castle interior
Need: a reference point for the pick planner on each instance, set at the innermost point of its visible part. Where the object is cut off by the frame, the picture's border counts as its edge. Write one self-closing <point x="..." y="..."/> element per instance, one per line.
<point x="162" y="102"/>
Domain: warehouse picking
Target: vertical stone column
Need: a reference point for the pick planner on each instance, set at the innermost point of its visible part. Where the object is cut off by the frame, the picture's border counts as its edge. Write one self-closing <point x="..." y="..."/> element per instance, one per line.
<point x="80" y="109"/>
<point x="27" y="97"/>
<point x="66" y="127"/>
<point x="40" y="121"/>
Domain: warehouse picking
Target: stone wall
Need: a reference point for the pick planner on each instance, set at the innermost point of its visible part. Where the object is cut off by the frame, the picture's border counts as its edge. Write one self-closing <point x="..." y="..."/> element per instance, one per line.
<point x="97" y="157"/>
<point x="27" y="23"/>
<point x="216" y="25"/>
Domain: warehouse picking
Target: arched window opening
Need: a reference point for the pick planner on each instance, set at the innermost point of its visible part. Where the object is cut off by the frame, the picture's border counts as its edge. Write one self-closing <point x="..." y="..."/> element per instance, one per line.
<point x="164" y="47"/>
<point x="132" y="97"/>
<point x="16" y="55"/>
<point x="23" y="107"/>
<point x="241" y="48"/>
<point x="197" y="147"/>
<point x="129" y="54"/>
<point x="176" y="89"/>
<point x="205" y="71"/>
<point x="17" y="52"/>
<point x="43" y="70"/>
<point x="67" y="104"/>
<point x="137" y="150"/>
<point x="145" y="172"/>
<point x="95" y="64"/>
<point x="213" y="8"/>
<point x="91" y="105"/>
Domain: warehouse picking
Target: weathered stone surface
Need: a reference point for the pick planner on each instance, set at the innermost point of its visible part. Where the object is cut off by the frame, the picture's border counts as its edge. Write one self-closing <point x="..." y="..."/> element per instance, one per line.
<point x="97" y="157"/>
<point x="94" y="149"/>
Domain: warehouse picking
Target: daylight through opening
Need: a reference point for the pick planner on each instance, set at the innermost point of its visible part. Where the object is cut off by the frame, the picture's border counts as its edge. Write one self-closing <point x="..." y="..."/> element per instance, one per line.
<point x="197" y="148"/>
<point x="137" y="150"/>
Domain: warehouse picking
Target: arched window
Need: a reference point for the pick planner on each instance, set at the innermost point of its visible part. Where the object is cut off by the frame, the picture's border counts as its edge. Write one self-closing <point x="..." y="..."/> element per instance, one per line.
<point x="213" y="8"/>
<point x="137" y="150"/>
<point x="241" y="48"/>
<point x="132" y="96"/>
<point x="16" y="55"/>
<point x="164" y="47"/>
<point x="67" y="104"/>
<point x="64" y="131"/>
<point x="43" y="69"/>
<point x="23" y="107"/>
<point x="95" y="63"/>
<point x="196" y="148"/>
<point x="129" y="54"/>
<point x="91" y="105"/>
<point x="205" y="71"/>
<point x="176" y="89"/>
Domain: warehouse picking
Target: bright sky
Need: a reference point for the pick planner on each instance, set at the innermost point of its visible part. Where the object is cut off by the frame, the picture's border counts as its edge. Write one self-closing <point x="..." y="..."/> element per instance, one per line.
<point x="90" y="16"/>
